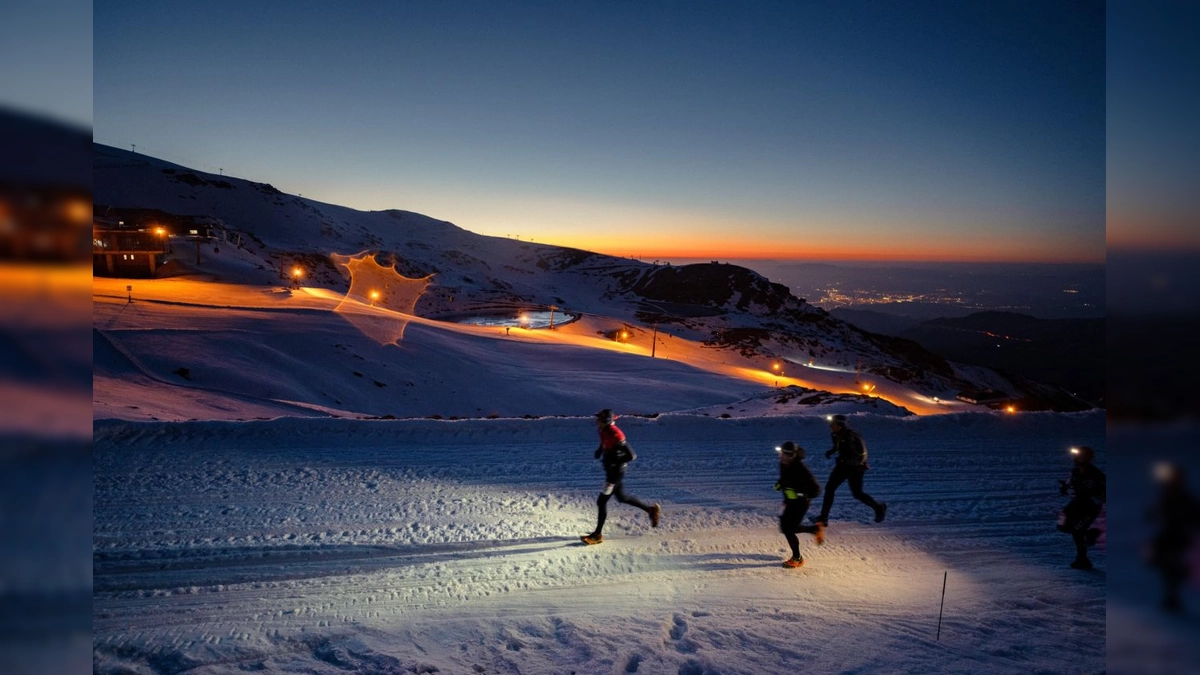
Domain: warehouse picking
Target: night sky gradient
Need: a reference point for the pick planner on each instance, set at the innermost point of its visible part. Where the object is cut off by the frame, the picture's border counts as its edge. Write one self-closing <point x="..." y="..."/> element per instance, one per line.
<point x="877" y="130"/>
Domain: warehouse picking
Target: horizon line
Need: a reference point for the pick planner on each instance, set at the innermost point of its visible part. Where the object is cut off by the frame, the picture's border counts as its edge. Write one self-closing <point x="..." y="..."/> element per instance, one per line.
<point x="853" y="259"/>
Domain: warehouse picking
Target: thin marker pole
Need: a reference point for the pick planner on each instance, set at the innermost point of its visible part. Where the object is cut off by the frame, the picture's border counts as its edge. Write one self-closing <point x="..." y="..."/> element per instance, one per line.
<point x="943" y="606"/>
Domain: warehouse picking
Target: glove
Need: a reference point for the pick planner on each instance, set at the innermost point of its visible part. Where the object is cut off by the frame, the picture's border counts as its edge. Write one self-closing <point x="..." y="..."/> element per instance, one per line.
<point x="829" y="453"/>
<point x="789" y="493"/>
<point x="778" y="487"/>
<point x="599" y="451"/>
<point x="1062" y="487"/>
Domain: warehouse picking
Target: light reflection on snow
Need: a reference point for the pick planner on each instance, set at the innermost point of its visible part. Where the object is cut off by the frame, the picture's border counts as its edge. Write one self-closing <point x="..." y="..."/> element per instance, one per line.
<point x="374" y="285"/>
<point x="533" y="319"/>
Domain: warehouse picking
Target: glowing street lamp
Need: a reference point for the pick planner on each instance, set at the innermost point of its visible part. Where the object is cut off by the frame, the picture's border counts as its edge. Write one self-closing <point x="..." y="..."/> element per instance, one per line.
<point x="161" y="233"/>
<point x="777" y="367"/>
<point x="297" y="274"/>
<point x="1012" y="409"/>
<point x="374" y="297"/>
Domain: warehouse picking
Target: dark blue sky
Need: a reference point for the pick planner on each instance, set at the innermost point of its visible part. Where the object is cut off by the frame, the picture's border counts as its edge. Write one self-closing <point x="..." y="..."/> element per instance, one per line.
<point x="936" y="130"/>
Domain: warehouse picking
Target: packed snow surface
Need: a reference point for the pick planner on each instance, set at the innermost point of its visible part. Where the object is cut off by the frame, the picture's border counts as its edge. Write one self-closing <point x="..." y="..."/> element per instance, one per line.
<point x="392" y="546"/>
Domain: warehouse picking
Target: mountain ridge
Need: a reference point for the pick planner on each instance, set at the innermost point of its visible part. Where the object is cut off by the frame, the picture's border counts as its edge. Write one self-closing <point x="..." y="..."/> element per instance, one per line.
<point x="724" y="306"/>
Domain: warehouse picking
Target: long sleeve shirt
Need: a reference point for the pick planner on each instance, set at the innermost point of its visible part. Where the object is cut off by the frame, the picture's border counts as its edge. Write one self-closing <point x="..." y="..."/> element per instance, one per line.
<point x="797" y="477"/>
<point x="849" y="447"/>
<point x="1088" y="482"/>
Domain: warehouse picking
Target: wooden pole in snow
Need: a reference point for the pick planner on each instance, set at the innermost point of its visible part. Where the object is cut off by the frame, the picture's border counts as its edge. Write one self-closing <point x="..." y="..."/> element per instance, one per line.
<point x="943" y="606"/>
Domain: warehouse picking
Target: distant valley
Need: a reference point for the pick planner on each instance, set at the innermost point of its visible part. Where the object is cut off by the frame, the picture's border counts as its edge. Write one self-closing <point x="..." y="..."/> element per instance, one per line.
<point x="1065" y="353"/>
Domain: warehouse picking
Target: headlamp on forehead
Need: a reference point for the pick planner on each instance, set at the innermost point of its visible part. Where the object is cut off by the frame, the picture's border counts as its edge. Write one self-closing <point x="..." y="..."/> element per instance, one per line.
<point x="789" y="449"/>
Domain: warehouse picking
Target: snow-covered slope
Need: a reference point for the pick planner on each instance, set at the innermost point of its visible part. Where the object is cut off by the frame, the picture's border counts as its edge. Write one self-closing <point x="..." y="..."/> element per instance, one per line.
<point x="187" y="349"/>
<point x="716" y="319"/>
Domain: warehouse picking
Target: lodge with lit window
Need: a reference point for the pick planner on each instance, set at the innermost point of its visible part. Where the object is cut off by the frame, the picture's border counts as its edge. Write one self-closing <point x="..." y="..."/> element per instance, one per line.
<point x="121" y="250"/>
<point x="136" y="243"/>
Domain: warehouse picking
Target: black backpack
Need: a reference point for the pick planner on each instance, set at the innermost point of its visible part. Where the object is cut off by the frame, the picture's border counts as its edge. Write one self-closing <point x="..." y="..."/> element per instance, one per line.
<point x="623" y="454"/>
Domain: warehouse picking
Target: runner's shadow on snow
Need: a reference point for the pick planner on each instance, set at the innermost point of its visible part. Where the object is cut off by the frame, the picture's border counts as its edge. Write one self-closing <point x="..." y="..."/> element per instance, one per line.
<point x="231" y="565"/>
<point x="708" y="562"/>
<point x="719" y="562"/>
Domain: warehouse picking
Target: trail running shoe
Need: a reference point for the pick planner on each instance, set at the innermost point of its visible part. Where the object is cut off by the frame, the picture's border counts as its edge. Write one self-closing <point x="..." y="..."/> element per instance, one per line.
<point x="880" y="512"/>
<point x="821" y="520"/>
<point x="1081" y="564"/>
<point x="820" y="533"/>
<point x="793" y="562"/>
<point x="592" y="539"/>
<point x="655" y="513"/>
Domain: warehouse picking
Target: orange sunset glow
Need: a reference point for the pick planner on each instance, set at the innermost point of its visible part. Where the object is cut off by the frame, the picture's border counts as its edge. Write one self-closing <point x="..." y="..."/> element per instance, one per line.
<point x="947" y="250"/>
<point x="1149" y="231"/>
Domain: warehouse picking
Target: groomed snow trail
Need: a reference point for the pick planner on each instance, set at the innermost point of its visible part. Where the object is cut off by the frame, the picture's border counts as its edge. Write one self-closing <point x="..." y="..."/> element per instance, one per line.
<point x="323" y="546"/>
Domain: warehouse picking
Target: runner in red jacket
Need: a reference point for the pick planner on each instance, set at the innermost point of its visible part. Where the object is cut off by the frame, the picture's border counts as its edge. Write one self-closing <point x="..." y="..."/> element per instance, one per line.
<point x="615" y="454"/>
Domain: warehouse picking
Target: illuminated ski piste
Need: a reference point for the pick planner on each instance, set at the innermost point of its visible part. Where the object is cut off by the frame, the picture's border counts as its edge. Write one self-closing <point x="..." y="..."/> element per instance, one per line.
<point x="181" y="302"/>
